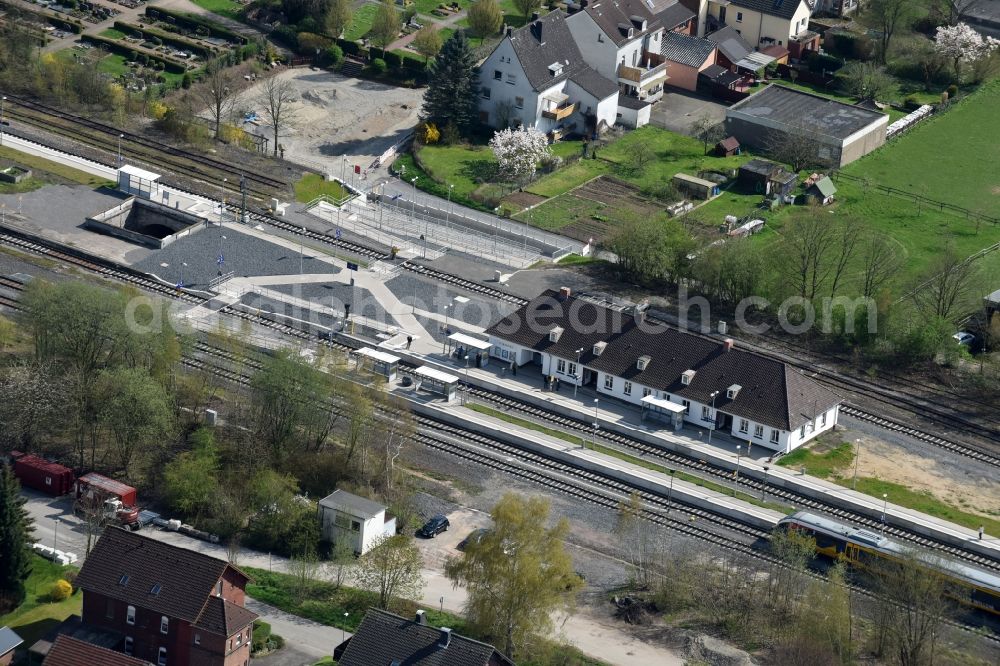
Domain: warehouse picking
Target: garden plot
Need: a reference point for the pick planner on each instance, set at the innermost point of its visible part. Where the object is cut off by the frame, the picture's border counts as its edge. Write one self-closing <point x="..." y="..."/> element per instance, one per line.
<point x="337" y="116"/>
<point x="583" y="212"/>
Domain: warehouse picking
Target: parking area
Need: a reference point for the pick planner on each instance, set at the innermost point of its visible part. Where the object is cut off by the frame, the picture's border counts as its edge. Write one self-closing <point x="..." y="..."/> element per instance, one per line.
<point x="678" y="111"/>
<point x="445" y="545"/>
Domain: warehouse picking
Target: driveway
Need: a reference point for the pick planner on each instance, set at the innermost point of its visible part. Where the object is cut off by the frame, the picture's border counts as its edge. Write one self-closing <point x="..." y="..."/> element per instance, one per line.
<point x="678" y="111"/>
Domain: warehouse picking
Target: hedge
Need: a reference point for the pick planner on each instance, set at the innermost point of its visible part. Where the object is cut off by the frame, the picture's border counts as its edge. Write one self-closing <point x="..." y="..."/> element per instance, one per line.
<point x="62" y="24"/>
<point x="167" y="38"/>
<point x="126" y="50"/>
<point x="193" y="21"/>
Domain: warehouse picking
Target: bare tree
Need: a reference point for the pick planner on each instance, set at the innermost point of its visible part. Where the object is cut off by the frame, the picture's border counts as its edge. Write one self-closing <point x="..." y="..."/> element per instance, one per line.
<point x="887" y="18"/>
<point x="220" y="92"/>
<point x="849" y="231"/>
<point x="879" y="264"/>
<point x="949" y="287"/>
<point x="952" y="11"/>
<point x="709" y="130"/>
<point x="276" y="98"/>
<point x="808" y="242"/>
<point x="796" y="146"/>
<point x="391" y="569"/>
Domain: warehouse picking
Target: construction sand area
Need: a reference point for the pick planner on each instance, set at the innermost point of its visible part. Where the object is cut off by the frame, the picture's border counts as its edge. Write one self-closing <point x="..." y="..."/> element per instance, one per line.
<point x="335" y="116"/>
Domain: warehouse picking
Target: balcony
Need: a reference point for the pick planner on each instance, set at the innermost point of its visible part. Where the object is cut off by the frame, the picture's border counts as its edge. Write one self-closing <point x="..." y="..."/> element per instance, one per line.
<point x="651" y="71"/>
<point x="560" y="112"/>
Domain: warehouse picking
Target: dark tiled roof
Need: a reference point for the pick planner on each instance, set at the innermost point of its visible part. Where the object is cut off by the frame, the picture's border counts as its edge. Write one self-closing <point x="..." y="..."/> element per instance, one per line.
<point x="772" y="393"/>
<point x="731" y="43"/>
<point x="223" y="617"/>
<point x="67" y="651"/>
<point x="783" y="8"/>
<point x="630" y="102"/>
<point x="384" y="638"/>
<point x="186" y="578"/>
<point x="673" y="15"/>
<point x="797" y="110"/>
<point x="685" y="49"/>
<point x="542" y="43"/>
<point x="589" y="79"/>
<point x="611" y="15"/>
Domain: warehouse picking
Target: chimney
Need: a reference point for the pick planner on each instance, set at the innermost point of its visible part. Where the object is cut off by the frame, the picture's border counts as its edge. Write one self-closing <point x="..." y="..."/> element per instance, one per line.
<point x="508" y="30"/>
<point x="421" y="618"/>
<point x="535" y="16"/>
<point x="445" y="637"/>
<point x="564" y="293"/>
<point x="727" y="344"/>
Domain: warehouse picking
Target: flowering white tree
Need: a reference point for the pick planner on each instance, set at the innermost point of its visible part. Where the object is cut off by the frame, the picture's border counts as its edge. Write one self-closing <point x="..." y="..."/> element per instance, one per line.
<point x="519" y="151"/>
<point x="963" y="44"/>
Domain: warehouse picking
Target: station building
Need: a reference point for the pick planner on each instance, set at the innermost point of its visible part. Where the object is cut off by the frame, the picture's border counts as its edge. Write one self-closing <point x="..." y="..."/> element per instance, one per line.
<point x="622" y="354"/>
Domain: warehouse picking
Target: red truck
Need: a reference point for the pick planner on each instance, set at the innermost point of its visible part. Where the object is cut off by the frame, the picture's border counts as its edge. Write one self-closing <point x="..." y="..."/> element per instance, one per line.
<point x="40" y="474"/>
<point x="113" y="501"/>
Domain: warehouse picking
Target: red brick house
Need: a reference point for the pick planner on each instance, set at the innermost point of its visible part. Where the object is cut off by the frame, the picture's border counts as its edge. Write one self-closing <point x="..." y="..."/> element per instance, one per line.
<point x="68" y="651"/>
<point x="174" y="607"/>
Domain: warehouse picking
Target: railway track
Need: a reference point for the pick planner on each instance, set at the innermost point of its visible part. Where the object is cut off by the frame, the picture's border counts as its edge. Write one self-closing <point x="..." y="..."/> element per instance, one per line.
<point x="156" y="151"/>
<point x="647" y="451"/>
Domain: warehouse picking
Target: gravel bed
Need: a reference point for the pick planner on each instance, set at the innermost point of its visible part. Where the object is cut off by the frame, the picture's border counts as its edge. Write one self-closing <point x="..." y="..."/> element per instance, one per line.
<point x="433" y="297"/>
<point x="243" y="254"/>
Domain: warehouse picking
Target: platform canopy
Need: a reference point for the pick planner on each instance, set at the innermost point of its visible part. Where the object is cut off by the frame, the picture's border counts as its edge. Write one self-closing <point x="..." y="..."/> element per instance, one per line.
<point x="435" y="375"/>
<point x="469" y="341"/>
<point x="377" y="355"/>
<point x="141" y="174"/>
<point x="665" y="405"/>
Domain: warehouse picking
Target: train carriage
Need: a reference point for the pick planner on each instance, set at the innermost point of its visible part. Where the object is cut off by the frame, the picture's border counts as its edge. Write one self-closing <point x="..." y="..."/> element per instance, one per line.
<point x="970" y="586"/>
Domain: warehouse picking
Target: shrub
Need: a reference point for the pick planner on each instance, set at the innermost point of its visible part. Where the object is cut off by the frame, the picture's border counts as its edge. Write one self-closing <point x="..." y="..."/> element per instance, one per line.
<point x="261" y="632"/>
<point x="392" y="60"/>
<point x="60" y="590"/>
<point x="819" y="62"/>
<point x="186" y="80"/>
<point x="378" y="66"/>
<point x="158" y="110"/>
<point x="952" y="91"/>
<point x="333" y="56"/>
<point x="70" y="576"/>
<point x="911" y="103"/>
<point x="429" y="133"/>
<point x="450" y="135"/>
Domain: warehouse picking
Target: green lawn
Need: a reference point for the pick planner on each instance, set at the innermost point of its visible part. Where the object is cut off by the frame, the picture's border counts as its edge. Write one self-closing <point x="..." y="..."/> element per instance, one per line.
<point x="314" y="185"/>
<point x="40" y="164"/>
<point x="323" y="602"/>
<point x="113" y="33"/>
<point x="113" y="64"/>
<point x="37" y="616"/>
<point x="824" y="464"/>
<point x="227" y="8"/>
<point x="428" y="6"/>
<point x="361" y="22"/>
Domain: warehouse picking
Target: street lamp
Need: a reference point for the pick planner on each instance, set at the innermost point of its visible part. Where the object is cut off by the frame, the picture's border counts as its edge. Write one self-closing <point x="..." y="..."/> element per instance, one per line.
<point x="596" y="400"/>
<point x="343" y="629"/>
<point x="222" y="258"/>
<point x="578" y="375"/>
<point x="55" y="535"/>
<point x="712" y="395"/>
<point x="670" y="490"/>
<point x="885" y="501"/>
<point x="764" y="487"/>
<point x="447" y="215"/>
<point x="738" y="449"/>
<point x="857" y="457"/>
<point x="120" y="137"/>
<point x="2" y="100"/>
<point x="496" y="227"/>
<point x="301" y="241"/>
<point x="222" y="199"/>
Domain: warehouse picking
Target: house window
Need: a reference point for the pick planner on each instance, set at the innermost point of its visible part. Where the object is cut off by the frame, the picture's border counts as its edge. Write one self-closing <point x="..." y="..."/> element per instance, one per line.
<point x="518" y="102"/>
<point x="128" y="645"/>
<point x="355" y="526"/>
<point x="706" y="413"/>
<point x="802" y="431"/>
<point x="609" y="382"/>
<point x="572" y="369"/>
<point x="774" y="435"/>
<point x="822" y="420"/>
<point x="511" y="79"/>
<point x="628" y="388"/>
<point x="197" y="639"/>
<point x="561" y="367"/>
<point x="645" y="391"/>
<point x="164" y="624"/>
<point x="161" y="657"/>
<point x="744" y="425"/>
<point x="687" y="405"/>
<point x="130" y="615"/>
<point x="48" y="480"/>
<point x="758" y="431"/>
<point x="739" y="17"/>
<point x="486" y="93"/>
<point x="239" y="639"/>
<point x="497" y="75"/>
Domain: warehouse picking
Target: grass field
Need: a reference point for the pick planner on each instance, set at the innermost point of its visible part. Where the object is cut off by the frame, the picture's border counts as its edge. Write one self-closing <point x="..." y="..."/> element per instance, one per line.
<point x="823" y="464"/>
<point x="113" y="64"/>
<point x="113" y="33"/>
<point x="36" y="616"/>
<point x="361" y="22"/>
<point x="40" y="164"/>
<point x="227" y="8"/>
<point x="313" y="185"/>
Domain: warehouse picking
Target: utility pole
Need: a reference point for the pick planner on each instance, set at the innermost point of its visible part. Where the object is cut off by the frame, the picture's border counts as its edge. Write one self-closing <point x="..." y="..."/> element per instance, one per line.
<point x="2" y="100"/>
<point x="243" y="204"/>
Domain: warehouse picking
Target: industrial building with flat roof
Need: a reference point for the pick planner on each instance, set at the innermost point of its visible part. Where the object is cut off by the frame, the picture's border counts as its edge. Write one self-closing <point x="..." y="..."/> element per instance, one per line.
<point x="840" y="132"/>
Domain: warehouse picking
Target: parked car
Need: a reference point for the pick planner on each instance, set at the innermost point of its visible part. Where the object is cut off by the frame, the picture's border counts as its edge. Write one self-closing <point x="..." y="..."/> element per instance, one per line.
<point x="475" y="537"/>
<point x="434" y="526"/>
<point x="964" y="338"/>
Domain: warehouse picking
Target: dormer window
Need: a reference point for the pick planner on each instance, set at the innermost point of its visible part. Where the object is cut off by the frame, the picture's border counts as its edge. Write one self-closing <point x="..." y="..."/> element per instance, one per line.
<point x="556" y="68"/>
<point x="643" y="362"/>
<point x="733" y="391"/>
<point x="638" y="22"/>
<point x="555" y="334"/>
<point x="123" y="581"/>
<point x="687" y="377"/>
<point x="599" y="347"/>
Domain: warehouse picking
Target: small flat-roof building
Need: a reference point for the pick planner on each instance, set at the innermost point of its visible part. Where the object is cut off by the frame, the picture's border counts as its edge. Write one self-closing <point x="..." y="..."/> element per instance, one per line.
<point x="841" y="133"/>
<point x="141" y="183"/>
<point x="767" y="178"/>
<point x="380" y="362"/>
<point x="361" y="521"/>
<point x="436" y="381"/>
<point x="464" y="345"/>
<point x="695" y="187"/>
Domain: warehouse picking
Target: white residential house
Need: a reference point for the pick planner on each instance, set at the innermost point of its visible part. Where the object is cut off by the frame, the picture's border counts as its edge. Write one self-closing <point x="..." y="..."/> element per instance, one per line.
<point x="536" y="77"/>
<point x="360" y="521"/>
<point x="763" y="23"/>
<point x="713" y="384"/>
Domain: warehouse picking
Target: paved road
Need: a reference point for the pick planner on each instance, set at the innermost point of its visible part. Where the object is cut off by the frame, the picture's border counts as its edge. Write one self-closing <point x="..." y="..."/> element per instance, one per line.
<point x="307" y="641"/>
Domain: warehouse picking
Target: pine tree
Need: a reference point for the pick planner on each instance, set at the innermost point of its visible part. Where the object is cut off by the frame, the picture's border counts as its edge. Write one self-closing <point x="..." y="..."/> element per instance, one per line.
<point x="15" y="532"/>
<point x="451" y="96"/>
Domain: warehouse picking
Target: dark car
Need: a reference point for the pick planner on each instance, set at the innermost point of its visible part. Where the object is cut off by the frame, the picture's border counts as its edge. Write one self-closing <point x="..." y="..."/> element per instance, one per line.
<point x="474" y="538"/>
<point x="434" y="526"/>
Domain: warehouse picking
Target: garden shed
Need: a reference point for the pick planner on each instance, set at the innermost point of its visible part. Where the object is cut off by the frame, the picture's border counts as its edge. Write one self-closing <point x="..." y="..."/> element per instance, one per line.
<point x="727" y="147"/>
<point x="823" y="191"/>
<point x="696" y="187"/>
